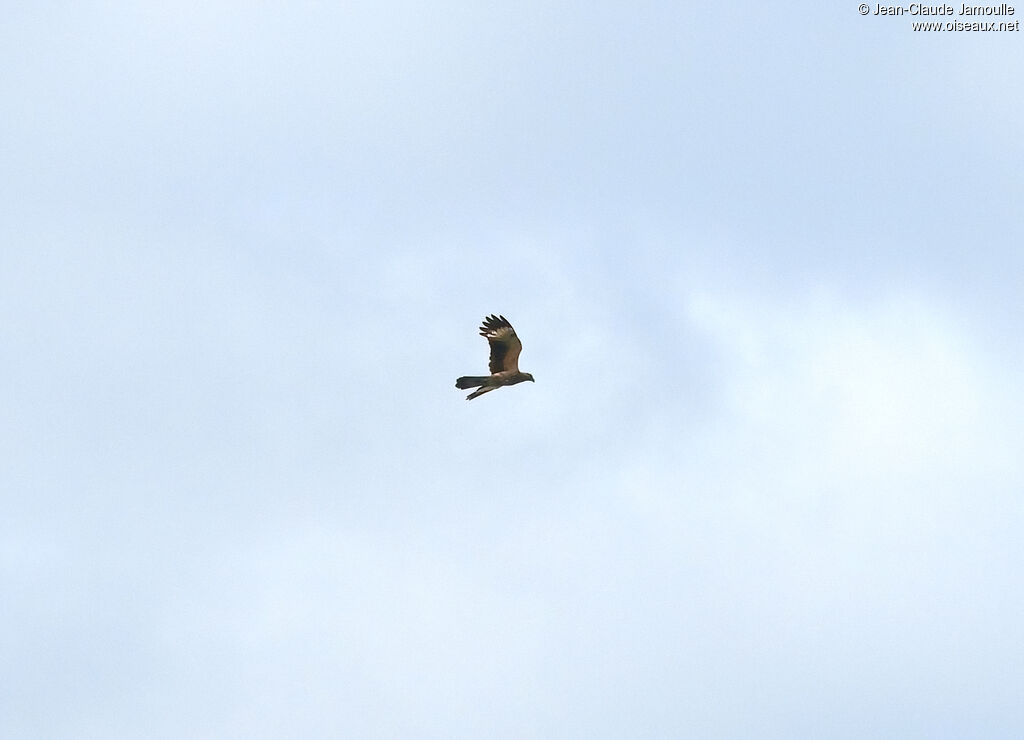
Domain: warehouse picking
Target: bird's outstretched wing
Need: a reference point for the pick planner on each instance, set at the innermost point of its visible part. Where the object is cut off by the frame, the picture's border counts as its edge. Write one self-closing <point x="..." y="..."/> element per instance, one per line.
<point x="505" y="345"/>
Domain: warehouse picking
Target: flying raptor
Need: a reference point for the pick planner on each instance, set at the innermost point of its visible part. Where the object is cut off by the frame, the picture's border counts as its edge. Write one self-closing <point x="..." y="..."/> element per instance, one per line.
<point x="504" y="367"/>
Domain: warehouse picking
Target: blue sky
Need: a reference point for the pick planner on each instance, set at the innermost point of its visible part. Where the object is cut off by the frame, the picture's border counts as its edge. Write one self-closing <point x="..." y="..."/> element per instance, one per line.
<point x="765" y="261"/>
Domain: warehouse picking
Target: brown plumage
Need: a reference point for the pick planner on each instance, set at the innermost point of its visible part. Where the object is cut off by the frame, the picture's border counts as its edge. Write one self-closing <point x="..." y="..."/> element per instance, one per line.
<point x="504" y="364"/>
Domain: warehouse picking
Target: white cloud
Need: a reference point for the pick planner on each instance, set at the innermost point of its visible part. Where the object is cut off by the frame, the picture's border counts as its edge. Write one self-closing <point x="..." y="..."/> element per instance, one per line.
<point x="889" y="386"/>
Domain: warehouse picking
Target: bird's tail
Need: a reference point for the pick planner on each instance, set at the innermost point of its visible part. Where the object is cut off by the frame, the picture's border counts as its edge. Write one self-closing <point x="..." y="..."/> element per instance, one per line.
<point x="470" y="381"/>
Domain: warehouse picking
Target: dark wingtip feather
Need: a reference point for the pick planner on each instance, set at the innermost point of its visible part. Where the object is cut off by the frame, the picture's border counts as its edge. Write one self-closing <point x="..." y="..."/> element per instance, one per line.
<point x="492" y="323"/>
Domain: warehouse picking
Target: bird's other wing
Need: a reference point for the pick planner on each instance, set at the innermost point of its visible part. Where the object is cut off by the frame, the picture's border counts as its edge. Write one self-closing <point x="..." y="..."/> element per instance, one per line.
<point x="505" y="345"/>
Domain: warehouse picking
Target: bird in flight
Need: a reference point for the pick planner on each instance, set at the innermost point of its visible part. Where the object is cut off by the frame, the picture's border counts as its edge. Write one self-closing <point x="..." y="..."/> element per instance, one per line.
<point x="504" y="367"/>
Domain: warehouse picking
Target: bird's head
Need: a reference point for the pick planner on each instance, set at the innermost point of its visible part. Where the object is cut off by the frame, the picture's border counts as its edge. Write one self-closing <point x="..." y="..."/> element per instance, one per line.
<point x="528" y="377"/>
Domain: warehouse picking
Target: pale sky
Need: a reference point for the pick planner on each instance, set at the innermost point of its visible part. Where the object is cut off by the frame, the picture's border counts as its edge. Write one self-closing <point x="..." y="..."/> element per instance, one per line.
<point x="766" y="264"/>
